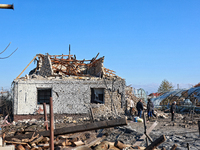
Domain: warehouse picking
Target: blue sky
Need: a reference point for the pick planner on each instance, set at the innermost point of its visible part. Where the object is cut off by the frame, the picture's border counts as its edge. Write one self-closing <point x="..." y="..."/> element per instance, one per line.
<point x="144" y="41"/>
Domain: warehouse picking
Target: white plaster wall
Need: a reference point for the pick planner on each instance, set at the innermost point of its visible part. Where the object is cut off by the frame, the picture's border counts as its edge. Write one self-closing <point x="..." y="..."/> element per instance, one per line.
<point x="27" y="98"/>
<point x="69" y="96"/>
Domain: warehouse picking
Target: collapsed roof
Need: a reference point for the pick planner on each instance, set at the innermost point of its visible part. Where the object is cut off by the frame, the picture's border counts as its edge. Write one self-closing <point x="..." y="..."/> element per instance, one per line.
<point x="68" y="65"/>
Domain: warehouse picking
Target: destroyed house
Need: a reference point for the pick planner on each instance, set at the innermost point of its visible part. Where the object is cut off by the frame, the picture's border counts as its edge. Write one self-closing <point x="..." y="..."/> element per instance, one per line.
<point x="76" y="87"/>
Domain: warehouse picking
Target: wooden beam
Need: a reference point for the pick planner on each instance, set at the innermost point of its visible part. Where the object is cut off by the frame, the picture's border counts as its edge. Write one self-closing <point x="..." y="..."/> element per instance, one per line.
<point x="157" y="142"/>
<point x="26" y="67"/>
<point x="143" y="136"/>
<point x="120" y="145"/>
<point x="102" y="146"/>
<point x="78" y="128"/>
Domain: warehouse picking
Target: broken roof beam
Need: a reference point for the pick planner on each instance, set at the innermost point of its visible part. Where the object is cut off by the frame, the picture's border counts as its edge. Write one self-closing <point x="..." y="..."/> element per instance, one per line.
<point x="109" y="72"/>
<point x="67" y="60"/>
<point x="59" y="55"/>
<point x="26" y="67"/>
<point x="69" y="71"/>
<point x="95" y="61"/>
<point x="94" y="58"/>
<point x="69" y="68"/>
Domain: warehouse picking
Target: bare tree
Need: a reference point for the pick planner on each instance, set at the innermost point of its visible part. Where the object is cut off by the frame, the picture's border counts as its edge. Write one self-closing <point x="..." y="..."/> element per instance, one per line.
<point x="6" y="107"/>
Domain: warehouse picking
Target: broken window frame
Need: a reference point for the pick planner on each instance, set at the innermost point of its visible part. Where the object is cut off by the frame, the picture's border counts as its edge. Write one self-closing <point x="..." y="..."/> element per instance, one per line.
<point x="97" y="95"/>
<point x="47" y="94"/>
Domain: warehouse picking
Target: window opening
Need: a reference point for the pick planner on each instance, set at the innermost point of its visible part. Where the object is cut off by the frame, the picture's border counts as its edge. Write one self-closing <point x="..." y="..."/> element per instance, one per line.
<point x="43" y="95"/>
<point x="97" y="95"/>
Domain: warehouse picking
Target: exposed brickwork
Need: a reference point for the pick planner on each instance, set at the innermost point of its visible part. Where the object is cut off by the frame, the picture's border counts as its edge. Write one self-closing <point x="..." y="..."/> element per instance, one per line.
<point x="21" y="117"/>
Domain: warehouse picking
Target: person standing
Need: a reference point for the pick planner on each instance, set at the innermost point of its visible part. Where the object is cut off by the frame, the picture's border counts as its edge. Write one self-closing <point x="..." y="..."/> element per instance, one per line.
<point x="173" y="110"/>
<point x="131" y="107"/>
<point x="139" y="107"/>
<point x="149" y="108"/>
<point x="155" y="115"/>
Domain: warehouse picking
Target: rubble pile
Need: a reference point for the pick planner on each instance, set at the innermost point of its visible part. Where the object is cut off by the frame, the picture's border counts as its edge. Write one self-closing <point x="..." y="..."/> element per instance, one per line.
<point x="178" y="133"/>
<point x="130" y="95"/>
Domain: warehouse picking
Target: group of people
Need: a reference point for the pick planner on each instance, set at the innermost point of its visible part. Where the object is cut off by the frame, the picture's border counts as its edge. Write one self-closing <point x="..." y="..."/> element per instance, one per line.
<point x="150" y="109"/>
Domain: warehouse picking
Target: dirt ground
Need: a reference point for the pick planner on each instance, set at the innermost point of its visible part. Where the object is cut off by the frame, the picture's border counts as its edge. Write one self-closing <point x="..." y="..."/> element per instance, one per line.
<point x="179" y="132"/>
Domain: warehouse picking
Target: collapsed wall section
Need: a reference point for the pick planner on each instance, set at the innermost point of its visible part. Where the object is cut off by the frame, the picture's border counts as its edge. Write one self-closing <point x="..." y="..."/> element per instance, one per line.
<point x="97" y="69"/>
<point x="45" y="67"/>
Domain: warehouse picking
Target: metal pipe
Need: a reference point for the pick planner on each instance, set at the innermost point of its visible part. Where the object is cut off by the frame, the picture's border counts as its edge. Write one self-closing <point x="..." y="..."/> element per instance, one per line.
<point x="45" y="115"/>
<point x="6" y="6"/>
<point x="51" y="125"/>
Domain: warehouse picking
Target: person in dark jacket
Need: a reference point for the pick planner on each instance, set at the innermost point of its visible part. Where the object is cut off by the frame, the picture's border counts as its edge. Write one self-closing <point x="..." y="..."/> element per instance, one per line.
<point x="149" y="108"/>
<point x="139" y="107"/>
<point x="155" y="115"/>
<point x="173" y="110"/>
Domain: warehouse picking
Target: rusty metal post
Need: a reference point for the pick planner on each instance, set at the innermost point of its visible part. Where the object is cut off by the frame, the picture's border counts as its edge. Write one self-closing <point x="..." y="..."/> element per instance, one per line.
<point x="51" y="125"/>
<point x="6" y="6"/>
<point x="45" y="115"/>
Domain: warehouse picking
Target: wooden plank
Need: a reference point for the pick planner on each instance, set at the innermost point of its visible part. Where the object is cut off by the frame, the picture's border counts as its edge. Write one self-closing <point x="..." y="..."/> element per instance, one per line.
<point x="78" y="143"/>
<point x="102" y="146"/>
<point x="44" y="146"/>
<point x="62" y="142"/>
<point x="156" y="143"/>
<point x="16" y="142"/>
<point x="20" y="147"/>
<point x="78" y="128"/>
<point x="120" y="145"/>
<point x="143" y="136"/>
<point x="37" y="140"/>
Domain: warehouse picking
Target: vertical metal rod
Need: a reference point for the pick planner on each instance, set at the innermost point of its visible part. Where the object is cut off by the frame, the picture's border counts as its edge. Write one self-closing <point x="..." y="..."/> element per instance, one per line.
<point x="45" y="115"/>
<point x="51" y="125"/>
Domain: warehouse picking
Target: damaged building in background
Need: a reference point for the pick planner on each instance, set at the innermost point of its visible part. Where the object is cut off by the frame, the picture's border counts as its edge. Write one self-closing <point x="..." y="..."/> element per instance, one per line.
<point x="76" y="86"/>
